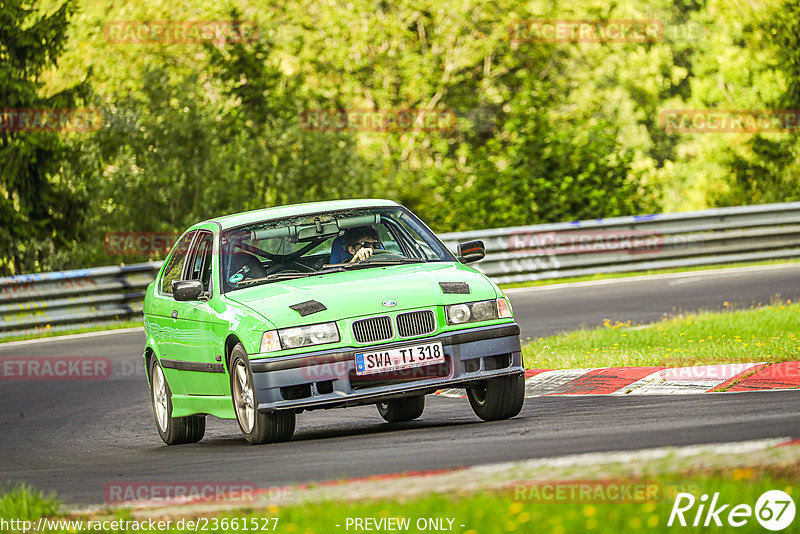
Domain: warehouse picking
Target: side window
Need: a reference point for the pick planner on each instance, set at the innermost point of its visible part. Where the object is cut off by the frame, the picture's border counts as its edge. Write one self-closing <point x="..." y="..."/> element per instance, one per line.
<point x="406" y="240"/>
<point x="388" y="240"/>
<point x="200" y="268"/>
<point x="419" y="242"/>
<point x="174" y="266"/>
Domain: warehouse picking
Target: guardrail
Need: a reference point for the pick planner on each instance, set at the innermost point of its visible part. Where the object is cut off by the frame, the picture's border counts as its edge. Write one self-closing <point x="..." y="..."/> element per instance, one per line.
<point x="638" y="243"/>
<point x="89" y="297"/>
<point x="72" y="299"/>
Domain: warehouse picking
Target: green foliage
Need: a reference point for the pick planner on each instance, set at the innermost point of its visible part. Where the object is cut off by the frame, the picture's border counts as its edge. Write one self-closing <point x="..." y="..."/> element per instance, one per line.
<point x="767" y="169"/>
<point x="538" y="169"/>
<point x="40" y="208"/>
<point x="543" y="131"/>
<point x="188" y="148"/>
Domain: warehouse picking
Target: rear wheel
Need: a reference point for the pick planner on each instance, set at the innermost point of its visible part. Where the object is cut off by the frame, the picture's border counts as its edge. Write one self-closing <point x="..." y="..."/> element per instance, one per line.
<point x="257" y="427"/>
<point x="407" y="409"/>
<point x="173" y="430"/>
<point x="498" y="398"/>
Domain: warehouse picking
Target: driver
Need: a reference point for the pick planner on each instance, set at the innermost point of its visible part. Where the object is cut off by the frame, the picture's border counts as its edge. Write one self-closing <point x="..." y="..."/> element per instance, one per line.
<point x="361" y="241"/>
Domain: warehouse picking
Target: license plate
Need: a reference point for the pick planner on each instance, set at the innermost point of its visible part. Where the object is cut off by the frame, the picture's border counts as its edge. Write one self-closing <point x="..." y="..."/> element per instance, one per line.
<point x="381" y="361"/>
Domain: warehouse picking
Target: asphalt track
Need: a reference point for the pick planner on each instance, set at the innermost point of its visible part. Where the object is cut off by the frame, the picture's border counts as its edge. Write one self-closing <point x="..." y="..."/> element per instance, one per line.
<point x="77" y="437"/>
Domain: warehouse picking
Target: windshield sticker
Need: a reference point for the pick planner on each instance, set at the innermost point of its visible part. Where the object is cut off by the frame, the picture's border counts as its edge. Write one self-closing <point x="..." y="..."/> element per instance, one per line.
<point x="236" y="278"/>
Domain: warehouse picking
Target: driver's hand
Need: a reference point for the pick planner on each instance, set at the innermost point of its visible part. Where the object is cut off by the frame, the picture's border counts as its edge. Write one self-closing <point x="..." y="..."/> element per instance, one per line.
<point x="361" y="255"/>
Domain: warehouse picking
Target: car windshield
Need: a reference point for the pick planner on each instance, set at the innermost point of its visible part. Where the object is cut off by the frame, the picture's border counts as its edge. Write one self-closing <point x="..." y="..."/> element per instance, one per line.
<point x="316" y="244"/>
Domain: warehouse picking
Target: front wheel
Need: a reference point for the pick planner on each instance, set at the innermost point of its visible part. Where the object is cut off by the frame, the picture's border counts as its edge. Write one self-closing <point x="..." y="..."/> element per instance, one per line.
<point x="257" y="427"/>
<point x="173" y="430"/>
<point x="498" y="398"/>
<point x="398" y="410"/>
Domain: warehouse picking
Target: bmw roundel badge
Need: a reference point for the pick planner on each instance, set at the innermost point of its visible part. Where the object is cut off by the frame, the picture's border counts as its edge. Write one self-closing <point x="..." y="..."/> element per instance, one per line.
<point x="389" y="303"/>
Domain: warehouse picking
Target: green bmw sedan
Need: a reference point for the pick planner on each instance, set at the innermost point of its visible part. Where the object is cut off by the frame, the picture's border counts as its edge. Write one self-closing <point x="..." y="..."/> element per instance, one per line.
<point x="262" y="315"/>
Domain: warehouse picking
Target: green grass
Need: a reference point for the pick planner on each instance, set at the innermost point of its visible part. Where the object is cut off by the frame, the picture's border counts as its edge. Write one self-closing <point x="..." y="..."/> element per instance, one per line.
<point x="24" y="503"/>
<point x="46" y="332"/>
<point x="766" y="334"/>
<point x="513" y="509"/>
<point x="609" y="276"/>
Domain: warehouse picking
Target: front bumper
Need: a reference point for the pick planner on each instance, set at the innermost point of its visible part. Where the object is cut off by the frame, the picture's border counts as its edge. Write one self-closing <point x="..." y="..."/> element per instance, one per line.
<point x="327" y="379"/>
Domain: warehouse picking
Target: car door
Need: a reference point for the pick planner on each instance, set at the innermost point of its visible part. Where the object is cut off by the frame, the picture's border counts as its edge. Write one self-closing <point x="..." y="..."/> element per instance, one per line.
<point x="197" y="355"/>
<point x="160" y="309"/>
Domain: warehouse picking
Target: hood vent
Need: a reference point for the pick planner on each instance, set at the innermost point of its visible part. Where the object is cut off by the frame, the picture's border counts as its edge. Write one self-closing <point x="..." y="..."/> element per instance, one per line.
<point x="461" y="288"/>
<point x="308" y="307"/>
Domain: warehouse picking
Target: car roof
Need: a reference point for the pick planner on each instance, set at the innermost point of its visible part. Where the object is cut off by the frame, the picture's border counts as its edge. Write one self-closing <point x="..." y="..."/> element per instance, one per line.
<point x="278" y="212"/>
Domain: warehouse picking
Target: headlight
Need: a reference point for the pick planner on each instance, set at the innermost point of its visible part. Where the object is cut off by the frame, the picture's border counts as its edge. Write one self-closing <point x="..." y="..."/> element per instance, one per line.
<point x="472" y="312"/>
<point x="484" y="311"/>
<point x="458" y="313"/>
<point x="303" y="336"/>
<point x="299" y="336"/>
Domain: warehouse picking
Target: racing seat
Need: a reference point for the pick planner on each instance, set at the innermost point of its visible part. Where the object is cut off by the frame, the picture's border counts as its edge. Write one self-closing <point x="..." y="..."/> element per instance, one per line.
<point x="246" y="264"/>
<point x="339" y="252"/>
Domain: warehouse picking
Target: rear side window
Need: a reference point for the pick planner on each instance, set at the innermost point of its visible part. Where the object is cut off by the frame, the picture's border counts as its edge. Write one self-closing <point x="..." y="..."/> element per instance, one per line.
<point x="172" y="271"/>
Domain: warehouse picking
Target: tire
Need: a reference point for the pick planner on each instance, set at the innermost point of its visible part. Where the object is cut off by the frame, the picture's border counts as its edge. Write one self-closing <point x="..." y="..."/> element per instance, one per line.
<point x="258" y="428"/>
<point x="398" y="410"/>
<point x="498" y="398"/>
<point x="173" y="430"/>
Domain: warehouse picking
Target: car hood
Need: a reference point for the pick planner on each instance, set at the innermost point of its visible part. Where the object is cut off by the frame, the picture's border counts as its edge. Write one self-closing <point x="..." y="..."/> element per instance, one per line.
<point x="363" y="292"/>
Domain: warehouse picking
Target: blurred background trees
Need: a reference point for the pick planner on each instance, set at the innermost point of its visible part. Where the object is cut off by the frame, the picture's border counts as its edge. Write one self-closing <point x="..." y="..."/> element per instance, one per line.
<point x="41" y="206"/>
<point x="542" y="132"/>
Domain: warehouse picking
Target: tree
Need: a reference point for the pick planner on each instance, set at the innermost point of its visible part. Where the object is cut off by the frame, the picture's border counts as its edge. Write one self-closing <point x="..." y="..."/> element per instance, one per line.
<point x="40" y="209"/>
<point x="768" y="169"/>
<point x="183" y="147"/>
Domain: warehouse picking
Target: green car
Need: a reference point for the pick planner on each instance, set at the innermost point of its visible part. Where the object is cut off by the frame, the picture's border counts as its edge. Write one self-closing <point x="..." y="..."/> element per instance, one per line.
<point x="261" y="315"/>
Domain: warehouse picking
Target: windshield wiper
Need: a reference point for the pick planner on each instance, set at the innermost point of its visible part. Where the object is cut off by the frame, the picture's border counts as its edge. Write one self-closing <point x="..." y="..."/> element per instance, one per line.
<point x="381" y="261"/>
<point x="332" y="268"/>
<point x="272" y="278"/>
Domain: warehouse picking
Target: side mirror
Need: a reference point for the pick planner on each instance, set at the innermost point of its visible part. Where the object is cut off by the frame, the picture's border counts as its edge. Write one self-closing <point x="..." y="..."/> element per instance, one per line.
<point x="471" y="251"/>
<point x="184" y="290"/>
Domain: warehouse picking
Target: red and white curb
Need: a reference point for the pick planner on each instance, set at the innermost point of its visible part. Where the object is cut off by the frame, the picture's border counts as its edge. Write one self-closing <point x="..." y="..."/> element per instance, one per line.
<point x="657" y="380"/>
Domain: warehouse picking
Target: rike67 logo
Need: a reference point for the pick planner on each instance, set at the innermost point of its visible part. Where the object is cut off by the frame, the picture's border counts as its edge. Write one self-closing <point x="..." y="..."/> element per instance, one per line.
<point x="774" y="510"/>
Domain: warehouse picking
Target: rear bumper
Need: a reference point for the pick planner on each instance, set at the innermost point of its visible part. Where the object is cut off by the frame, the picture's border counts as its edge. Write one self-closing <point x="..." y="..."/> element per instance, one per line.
<point x="327" y="379"/>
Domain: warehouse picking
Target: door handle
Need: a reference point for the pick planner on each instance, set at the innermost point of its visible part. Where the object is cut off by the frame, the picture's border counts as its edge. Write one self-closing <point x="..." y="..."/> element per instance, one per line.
<point x="174" y="314"/>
